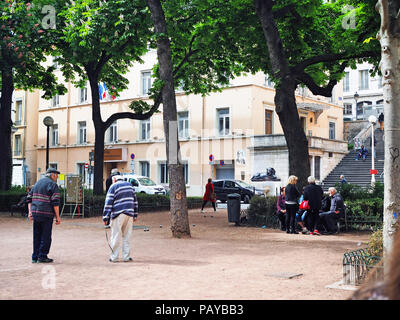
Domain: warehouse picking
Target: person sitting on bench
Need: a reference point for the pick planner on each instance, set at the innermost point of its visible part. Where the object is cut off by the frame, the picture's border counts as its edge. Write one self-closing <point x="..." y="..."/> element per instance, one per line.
<point x="330" y="218"/>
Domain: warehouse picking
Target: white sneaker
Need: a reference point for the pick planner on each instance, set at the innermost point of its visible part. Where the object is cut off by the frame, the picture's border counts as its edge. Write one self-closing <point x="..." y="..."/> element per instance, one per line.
<point x="202" y="211"/>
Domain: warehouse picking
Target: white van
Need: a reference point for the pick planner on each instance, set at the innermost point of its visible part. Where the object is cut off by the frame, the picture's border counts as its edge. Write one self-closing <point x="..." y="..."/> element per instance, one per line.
<point x="143" y="184"/>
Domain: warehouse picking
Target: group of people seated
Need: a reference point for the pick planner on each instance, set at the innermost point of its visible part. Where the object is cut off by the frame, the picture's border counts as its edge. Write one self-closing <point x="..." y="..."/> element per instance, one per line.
<point x="319" y="216"/>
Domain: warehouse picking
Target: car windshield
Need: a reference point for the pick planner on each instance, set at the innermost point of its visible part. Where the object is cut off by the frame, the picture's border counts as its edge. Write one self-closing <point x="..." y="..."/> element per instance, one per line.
<point x="244" y="184"/>
<point x="146" y="182"/>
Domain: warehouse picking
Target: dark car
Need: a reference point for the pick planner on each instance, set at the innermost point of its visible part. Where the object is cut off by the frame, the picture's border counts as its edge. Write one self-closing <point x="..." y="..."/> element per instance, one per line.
<point x="227" y="186"/>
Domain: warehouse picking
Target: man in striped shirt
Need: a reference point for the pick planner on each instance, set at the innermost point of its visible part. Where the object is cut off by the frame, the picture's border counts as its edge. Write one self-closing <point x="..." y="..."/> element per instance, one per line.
<point x="121" y="208"/>
<point x="43" y="203"/>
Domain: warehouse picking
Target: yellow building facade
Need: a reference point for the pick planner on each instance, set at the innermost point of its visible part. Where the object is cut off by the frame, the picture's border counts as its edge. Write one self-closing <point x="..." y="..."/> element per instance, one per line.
<point x="227" y="134"/>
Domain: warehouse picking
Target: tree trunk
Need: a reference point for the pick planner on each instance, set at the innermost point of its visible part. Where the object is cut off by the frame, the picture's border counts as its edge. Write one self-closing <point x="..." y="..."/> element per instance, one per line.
<point x="285" y="102"/>
<point x="389" y="37"/>
<point x="296" y="140"/>
<point x="99" y="129"/>
<point x="179" y="213"/>
<point x="7" y="88"/>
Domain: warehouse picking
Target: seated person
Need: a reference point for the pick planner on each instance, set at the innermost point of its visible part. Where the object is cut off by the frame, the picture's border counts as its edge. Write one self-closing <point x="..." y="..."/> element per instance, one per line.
<point x="362" y="153"/>
<point x="329" y="219"/>
<point x="281" y="211"/>
<point x="301" y="216"/>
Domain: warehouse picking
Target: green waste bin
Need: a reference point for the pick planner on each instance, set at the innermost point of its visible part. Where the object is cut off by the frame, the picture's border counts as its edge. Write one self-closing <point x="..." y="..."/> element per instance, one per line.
<point x="234" y="208"/>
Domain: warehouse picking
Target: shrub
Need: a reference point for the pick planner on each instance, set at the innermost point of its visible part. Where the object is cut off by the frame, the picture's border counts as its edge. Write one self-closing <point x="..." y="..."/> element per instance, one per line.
<point x="365" y="213"/>
<point x="375" y="244"/>
<point x="355" y="192"/>
<point x="262" y="211"/>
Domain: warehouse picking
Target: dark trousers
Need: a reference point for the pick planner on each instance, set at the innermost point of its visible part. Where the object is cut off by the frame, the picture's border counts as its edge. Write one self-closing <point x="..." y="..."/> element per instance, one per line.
<point x="42" y="228"/>
<point x="282" y="219"/>
<point x="204" y="203"/>
<point x="291" y="210"/>
<point x="329" y="220"/>
<point x="313" y="219"/>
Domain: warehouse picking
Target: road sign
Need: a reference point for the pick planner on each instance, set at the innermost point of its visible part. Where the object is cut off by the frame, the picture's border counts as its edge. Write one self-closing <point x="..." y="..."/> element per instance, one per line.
<point x="132" y="156"/>
<point x="211" y="157"/>
<point x="86" y="165"/>
<point x="221" y="163"/>
<point x="373" y="171"/>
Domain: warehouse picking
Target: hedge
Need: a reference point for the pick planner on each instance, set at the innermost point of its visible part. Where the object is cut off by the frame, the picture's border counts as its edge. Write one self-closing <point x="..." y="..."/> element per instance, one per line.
<point x="94" y="203"/>
<point x="361" y="214"/>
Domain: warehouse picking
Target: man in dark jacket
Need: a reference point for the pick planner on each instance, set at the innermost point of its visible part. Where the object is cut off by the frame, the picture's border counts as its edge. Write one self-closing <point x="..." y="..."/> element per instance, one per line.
<point x="313" y="194"/>
<point x="329" y="219"/>
<point x="43" y="203"/>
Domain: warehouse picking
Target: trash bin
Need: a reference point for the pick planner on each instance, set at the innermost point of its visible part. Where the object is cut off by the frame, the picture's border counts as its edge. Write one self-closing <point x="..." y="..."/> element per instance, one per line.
<point x="234" y="208"/>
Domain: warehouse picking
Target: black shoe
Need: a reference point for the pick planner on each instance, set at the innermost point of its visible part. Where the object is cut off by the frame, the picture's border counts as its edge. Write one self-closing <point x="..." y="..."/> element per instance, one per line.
<point x="294" y="232"/>
<point x="288" y="231"/>
<point x="45" y="260"/>
<point x="34" y="261"/>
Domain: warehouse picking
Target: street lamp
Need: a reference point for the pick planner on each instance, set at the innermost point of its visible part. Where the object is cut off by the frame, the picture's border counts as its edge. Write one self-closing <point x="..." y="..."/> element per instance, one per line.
<point x="372" y="119"/>
<point x="48" y="122"/>
<point x="356" y="96"/>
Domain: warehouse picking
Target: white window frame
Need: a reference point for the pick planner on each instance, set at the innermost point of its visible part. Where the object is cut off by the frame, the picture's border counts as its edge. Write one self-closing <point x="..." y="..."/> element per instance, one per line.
<point x="54" y="135"/>
<point x="334" y="130"/>
<point x="163" y="172"/>
<point x="112" y="132"/>
<point x="146" y="82"/>
<point x="55" y="100"/>
<point x="183" y="124"/>
<point x="363" y="80"/>
<point x="82" y="132"/>
<point x="17" y="146"/>
<point x="347" y="109"/>
<point x="147" y="124"/>
<point x="83" y="95"/>
<point x="144" y="165"/>
<point x="18" y="112"/>
<point x="346" y="82"/>
<point x="224" y="117"/>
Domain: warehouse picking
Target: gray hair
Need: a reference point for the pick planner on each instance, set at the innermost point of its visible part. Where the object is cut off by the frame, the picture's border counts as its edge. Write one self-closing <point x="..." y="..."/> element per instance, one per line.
<point x="113" y="170"/>
<point x="311" y="179"/>
<point x="332" y="189"/>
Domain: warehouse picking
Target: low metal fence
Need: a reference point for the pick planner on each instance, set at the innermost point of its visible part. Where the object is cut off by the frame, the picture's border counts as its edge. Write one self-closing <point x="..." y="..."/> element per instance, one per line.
<point x="358" y="265"/>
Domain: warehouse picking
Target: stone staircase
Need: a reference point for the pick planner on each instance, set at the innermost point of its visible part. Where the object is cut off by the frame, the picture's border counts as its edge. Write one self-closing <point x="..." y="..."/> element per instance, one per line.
<point x="357" y="172"/>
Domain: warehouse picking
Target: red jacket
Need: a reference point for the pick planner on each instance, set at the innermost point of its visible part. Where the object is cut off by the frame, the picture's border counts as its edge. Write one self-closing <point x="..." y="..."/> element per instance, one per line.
<point x="209" y="190"/>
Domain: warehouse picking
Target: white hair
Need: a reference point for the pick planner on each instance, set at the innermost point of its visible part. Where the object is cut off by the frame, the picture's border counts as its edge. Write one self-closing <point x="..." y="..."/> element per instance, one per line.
<point x="113" y="170"/>
<point x="311" y="179"/>
<point x="332" y="189"/>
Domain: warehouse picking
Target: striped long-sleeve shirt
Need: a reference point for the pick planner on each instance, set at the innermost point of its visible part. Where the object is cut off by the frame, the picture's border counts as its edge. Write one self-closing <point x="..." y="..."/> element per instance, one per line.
<point x="121" y="198"/>
<point x="44" y="196"/>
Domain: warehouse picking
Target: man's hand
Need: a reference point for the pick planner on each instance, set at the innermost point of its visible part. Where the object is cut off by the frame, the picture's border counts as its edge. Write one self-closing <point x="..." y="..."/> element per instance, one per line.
<point x="30" y="216"/>
<point x="134" y="219"/>
<point x="58" y="220"/>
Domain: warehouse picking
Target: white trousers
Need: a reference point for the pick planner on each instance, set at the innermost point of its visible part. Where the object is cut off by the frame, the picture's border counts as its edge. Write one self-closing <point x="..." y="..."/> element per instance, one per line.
<point x="121" y="227"/>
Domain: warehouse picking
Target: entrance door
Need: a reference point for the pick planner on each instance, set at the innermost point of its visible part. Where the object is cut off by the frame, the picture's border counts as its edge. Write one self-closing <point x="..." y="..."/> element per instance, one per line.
<point x="226" y="171"/>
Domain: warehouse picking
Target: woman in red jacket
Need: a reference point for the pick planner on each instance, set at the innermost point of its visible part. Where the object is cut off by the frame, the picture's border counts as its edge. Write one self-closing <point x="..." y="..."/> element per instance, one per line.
<point x="209" y="195"/>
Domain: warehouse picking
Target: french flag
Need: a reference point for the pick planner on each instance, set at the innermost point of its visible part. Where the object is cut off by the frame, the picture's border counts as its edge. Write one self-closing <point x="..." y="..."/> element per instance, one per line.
<point x="102" y="90"/>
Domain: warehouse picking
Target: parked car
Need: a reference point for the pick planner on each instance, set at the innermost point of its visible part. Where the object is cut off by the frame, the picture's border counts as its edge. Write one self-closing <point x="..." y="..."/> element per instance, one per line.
<point x="224" y="187"/>
<point x="144" y="184"/>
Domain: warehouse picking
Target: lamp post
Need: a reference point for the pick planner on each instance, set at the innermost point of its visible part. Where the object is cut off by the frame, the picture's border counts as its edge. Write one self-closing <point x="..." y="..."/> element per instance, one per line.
<point x="48" y="122"/>
<point x="372" y="119"/>
<point x="356" y="96"/>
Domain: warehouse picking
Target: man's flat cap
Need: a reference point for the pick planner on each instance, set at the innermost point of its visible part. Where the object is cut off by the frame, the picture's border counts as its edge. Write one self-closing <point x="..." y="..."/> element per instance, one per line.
<point x="52" y="170"/>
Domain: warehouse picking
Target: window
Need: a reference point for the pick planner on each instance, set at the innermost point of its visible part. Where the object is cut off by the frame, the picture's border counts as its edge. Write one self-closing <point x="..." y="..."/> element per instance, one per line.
<point x="186" y="172"/>
<point x="81" y="170"/>
<point x="163" y="173"/>
<point x="18" y="112"/>
<point x="268" y="121"/>
<point x="81" y="132"/>
<point x="223" y="122"/>
<point x="380" y="82"/>
<point x="346" y="82"/>
<point x="363" y="80"/>
<point x="183" y="124"/>
<point x="17" y="145"/>
<point x="112" y="132"/>
<point x="332" y="130"/>
<point x="347" y="109"/>
<point x="145" y="129"/>
<point x="144" y="168"/>
<point x="317" y="168"/>
<point x="83" y="95"/>
<point x="268" y="82"/>
<point x="54" y="135"/>
<point x="55" y="101"/>
<point x="55" y="62"/>
<point x="53" y="165"/>
<point x="146" y="82"/>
